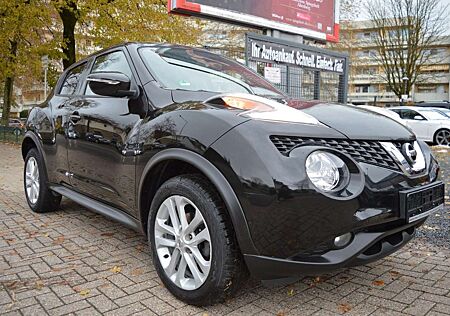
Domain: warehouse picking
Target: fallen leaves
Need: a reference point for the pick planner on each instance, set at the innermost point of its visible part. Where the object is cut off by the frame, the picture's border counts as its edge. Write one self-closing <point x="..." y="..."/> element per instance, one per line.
<point x="116" y="269"/>
<point x="32" y="235"/>
<point x="59" y="240"/>
<point x="13" y="300"/>
<point x="33" y="284"/>
<point x="39" y="284"/>
<point x="394" y="273"/>
<point x="11" y="285"/>
<point x="140" y="248"/>
<point x="84" y="292"/>
<point x="317" y="280"/>
<point x="290" y="292"/>
<point x="378" y="282"/>
<point x="344" y="308"/>
<point x="137" y="272"/>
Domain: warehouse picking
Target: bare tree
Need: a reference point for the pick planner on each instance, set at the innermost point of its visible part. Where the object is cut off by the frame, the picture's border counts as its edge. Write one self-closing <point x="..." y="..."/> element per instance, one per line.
<point x="349" y="9"/>
<point x="406" y="30"/>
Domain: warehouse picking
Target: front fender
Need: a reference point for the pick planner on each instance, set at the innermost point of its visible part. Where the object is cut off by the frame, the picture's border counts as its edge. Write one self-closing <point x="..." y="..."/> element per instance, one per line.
<point x="217" y="179"/>
<point x="30" y="140"/>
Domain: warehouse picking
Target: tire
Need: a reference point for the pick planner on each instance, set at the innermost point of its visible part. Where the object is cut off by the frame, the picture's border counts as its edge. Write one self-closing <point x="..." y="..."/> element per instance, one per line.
<point x="46" y="200"/>
<point x="442" y="137"/>
<point x="227" y="269"/>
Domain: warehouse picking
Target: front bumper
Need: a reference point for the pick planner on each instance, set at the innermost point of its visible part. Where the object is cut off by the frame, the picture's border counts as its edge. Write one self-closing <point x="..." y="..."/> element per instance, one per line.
<point x="365" y="247"/>
<point x="285" y="213"/>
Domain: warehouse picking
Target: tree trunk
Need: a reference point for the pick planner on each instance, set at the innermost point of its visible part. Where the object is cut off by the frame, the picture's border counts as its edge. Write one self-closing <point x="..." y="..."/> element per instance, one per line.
<point x="7" y="99"/>
<point x="9" y="85"/>
<point x="69" y="15"/>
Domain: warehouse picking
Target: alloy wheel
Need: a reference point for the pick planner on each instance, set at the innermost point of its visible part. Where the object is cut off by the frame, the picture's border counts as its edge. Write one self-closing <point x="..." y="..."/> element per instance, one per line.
<point x="443" y="137"/>
<point x="32" y="180"/>
<point x="183" y="242"/>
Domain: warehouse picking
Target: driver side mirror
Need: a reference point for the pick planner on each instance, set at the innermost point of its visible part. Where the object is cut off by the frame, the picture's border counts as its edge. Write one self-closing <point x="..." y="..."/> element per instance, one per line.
<point x="110" y="84"/>
<point x="418" y="118"/>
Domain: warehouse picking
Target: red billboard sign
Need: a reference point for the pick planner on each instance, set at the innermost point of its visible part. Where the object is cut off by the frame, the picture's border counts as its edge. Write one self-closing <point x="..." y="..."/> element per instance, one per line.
<point x="317" y="19"/>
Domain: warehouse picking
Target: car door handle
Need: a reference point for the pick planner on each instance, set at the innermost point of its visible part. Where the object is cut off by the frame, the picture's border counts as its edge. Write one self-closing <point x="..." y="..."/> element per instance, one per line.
<point x="75" y="117"/>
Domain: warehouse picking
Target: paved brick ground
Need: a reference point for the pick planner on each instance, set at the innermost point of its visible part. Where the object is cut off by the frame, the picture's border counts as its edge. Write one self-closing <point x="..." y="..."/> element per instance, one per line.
<point x="76" y="262"/>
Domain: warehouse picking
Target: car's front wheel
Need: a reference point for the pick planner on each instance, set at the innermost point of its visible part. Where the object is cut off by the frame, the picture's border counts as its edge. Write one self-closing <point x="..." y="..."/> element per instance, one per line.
<point x="39" y="197"/>
<point x="193" y="243"/>
<point x="442" y="137"/>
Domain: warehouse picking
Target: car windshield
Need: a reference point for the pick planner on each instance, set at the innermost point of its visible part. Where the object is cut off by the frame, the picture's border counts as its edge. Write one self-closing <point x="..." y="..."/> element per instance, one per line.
<point x="193" y="69"/>
<point x="433" y="115"/>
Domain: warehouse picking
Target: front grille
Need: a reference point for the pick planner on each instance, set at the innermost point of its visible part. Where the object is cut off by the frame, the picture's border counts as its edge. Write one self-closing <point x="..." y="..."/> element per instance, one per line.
<point x="369" y="152"/>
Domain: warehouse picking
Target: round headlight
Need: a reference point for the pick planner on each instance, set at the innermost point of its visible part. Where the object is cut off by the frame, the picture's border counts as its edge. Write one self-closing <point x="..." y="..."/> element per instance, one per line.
<point x="325" y="170"/>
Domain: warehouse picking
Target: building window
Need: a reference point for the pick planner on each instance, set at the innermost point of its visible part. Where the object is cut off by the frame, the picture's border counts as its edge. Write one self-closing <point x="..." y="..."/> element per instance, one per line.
<point x="366" y="89"/>
<point x="426" y="89"/>
<point x="362" y="89"/>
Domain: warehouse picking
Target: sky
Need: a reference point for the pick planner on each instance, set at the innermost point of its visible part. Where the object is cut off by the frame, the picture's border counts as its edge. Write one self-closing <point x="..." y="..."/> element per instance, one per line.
<point x="444" y="2"/>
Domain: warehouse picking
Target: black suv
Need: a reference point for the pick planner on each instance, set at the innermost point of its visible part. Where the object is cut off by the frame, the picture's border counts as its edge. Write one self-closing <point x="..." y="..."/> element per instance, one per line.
<point x="223" y="172"/>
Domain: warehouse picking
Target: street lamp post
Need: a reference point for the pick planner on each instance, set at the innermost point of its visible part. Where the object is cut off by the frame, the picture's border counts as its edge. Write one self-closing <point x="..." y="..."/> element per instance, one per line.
<point x="405" y="96"/>
<point x="44" y="61"/>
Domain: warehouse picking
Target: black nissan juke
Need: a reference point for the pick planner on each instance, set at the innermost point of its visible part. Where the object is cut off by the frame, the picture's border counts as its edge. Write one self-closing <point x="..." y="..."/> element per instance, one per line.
<point x="224" y="173"/>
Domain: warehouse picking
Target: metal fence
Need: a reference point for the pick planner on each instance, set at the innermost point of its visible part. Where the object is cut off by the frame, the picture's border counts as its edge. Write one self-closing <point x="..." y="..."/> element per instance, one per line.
<point x="11" y="134"/>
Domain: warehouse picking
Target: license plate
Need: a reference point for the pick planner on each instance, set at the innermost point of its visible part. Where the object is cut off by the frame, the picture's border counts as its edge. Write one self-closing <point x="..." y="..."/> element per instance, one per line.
<point x="420" y="202"/>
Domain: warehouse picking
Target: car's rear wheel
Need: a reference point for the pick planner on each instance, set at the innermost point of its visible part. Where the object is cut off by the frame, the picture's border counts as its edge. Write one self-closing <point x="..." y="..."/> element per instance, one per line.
<point x="442" y="137"/>
<point x="193" y="243"/>
<point x="39" y="197"/>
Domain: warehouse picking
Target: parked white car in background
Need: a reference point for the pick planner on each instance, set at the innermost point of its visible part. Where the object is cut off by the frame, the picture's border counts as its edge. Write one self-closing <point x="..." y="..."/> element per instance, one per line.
<point x="428" y="124"/>
<point x="383" y="111"/>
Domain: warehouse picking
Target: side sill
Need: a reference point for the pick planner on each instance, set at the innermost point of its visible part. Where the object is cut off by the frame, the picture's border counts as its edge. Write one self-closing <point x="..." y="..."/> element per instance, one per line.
<point x="98" y="207"/>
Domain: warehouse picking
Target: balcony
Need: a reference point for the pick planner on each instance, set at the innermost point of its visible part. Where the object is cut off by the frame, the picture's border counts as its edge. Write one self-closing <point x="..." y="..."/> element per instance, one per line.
<point x="370" y="96"/>
<point x="365" y="79"/>
<point x="431" y="96"/>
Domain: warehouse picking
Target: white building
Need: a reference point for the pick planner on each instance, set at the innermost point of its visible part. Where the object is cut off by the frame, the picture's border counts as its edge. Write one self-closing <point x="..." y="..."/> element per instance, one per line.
<point x="366" y="81"/>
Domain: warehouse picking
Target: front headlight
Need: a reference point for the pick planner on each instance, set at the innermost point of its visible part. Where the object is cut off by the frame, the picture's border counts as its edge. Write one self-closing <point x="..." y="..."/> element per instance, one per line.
<point x="326" y="170"/>
<point x="264" y="109"/>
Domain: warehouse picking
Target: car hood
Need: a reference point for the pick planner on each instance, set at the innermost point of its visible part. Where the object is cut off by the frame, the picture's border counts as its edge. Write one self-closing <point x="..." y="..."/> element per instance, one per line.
<point x="353" y="122"/>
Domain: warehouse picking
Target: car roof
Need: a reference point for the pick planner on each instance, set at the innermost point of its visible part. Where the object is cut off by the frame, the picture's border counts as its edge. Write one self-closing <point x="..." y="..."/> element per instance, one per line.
<point x="415" y="108"/>
<point x="125" y="44"/>
<point x="431" y="102"/>
<point x="140" y="44"/>
<point x="402" y="108"/>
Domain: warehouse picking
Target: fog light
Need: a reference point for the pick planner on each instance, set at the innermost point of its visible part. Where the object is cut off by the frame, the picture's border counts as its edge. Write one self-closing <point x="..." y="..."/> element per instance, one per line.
<point x="343" y="240"/>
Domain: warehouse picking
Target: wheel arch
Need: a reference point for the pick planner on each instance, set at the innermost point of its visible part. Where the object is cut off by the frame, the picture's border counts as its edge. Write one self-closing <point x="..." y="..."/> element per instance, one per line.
<point x="175" y="161"/>
<point x="31" y="140"/>
<point x="437" y="131"/>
